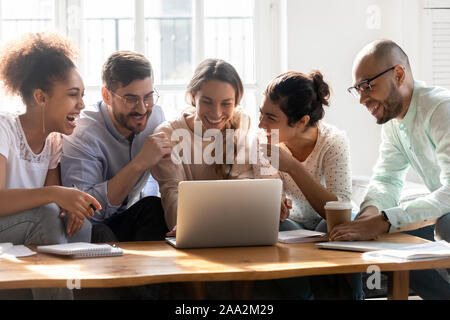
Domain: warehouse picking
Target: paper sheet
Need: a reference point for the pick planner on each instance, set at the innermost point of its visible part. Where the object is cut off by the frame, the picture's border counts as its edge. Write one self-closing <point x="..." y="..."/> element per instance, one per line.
<point x="298" y="236"/>
<point x="430" y="250"/>
<point x="17" y="252"/>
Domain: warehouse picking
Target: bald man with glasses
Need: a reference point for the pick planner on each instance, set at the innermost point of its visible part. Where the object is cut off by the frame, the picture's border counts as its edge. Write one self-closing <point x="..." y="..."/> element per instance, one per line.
<point x="415" y="121"/>
<point x="113" y="149"/>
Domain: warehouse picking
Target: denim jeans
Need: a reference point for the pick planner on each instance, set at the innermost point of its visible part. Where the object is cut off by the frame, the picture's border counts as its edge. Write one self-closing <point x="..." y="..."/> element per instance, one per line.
<point x="38" y="226"/>
<point x="429" y="284"/>
<point x="300" y="287"/>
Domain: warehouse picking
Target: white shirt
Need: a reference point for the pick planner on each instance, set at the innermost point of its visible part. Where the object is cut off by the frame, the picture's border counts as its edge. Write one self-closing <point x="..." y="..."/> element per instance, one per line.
<point x="329" y="163"/>
<point x="24" y="168"/>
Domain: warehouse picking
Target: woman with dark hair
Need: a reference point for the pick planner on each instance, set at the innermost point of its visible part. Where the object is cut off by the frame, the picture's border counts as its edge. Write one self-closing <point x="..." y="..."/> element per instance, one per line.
<point x="314" y="158"/>
<point x="40" y="69"/>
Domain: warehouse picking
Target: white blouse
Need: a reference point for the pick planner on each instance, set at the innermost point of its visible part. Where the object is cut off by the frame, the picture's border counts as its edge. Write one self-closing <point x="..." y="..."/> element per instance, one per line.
<point x="24" y="168"/>
<point x="328" y="163"/>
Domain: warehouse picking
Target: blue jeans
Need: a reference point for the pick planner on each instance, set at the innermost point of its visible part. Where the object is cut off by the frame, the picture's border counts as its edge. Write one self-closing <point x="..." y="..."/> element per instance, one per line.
<point x="40" y="226"/>
<point x="300" y="287"/>
<point x="429" y="284"/>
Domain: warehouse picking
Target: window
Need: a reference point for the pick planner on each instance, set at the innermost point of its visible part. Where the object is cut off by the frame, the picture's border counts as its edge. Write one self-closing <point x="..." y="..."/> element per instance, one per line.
<point x="181" y="33"/>
<point x="168" y="39"/>
<point x="108" y="27"/>
<point x="229" y="34"/>
<point x="175" y="35"/>
<point x="19" y="17"/>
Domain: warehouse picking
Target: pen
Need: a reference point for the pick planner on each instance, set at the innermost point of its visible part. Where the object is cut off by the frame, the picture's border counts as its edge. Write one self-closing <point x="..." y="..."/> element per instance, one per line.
<point x="96" y="211"/>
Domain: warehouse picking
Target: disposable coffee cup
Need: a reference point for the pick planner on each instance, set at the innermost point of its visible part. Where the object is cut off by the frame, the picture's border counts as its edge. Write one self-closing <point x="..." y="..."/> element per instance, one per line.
<point x="337" y="212"/>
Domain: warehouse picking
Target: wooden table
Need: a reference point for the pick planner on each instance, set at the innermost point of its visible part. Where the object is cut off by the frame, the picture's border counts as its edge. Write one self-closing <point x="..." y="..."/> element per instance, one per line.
<point x="157" y="262"/>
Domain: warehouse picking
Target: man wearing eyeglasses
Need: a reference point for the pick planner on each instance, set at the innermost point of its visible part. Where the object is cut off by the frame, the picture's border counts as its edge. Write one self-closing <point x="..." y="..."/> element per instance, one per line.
<point x="415" y="133"/>
<point x="113" y="148"/>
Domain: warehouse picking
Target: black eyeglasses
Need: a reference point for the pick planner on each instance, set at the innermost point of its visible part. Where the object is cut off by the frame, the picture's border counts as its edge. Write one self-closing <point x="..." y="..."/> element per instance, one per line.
<point x="133" y="101"/>
<point x="364" y="85"/>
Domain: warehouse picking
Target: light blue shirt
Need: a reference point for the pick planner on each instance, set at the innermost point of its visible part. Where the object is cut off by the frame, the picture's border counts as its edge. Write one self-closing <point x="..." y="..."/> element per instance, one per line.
<point x="421" y="141"/>
<point x="96" y="152"/>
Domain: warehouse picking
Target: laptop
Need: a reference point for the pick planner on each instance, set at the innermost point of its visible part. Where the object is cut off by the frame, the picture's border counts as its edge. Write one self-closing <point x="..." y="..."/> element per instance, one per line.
<point x="362" y="246"/>
<point x="227" y="213"/>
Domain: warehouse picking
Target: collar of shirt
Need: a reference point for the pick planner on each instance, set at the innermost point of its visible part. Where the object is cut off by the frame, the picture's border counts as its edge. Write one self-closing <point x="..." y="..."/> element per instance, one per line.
<point x="407" y="124"/>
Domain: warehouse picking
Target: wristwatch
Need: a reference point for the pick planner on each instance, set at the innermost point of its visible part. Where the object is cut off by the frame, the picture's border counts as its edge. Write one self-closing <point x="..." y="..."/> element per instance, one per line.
<point x="385" y="218"/>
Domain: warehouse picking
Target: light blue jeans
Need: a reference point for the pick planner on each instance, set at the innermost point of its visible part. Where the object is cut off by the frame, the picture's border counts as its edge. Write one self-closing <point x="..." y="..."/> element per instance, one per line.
<point x="40" y="226"/>
<point x="429" y="284"/>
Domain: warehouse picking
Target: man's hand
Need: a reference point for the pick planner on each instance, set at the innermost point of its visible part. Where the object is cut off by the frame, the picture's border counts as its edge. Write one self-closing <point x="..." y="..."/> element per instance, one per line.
<point x="366" y="227"/>
<point x="155" y="148"/>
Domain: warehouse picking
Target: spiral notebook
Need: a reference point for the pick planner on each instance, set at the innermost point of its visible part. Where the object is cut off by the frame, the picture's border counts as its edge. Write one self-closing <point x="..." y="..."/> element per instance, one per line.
<point x="82" y="250"/>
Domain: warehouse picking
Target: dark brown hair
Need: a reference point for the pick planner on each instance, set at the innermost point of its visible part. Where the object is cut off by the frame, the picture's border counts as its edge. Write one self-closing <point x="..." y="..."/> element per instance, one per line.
<point x="35" y="61"/>
<point x="215" y="69"/>
<point x="299" y="95"/>
<point x="123" y="67"/>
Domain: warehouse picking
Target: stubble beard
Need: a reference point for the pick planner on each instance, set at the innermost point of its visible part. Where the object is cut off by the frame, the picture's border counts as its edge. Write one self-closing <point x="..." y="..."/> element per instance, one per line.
<point x="392" y="106"/>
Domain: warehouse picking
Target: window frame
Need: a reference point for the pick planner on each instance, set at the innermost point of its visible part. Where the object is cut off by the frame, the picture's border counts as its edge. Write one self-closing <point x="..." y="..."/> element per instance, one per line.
<point x="69" y="17"/>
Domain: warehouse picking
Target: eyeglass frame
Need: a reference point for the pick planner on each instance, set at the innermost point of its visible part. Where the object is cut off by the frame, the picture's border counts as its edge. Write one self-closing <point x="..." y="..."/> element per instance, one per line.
<point x="138" y="99"/>
<point x="367" y="81"/>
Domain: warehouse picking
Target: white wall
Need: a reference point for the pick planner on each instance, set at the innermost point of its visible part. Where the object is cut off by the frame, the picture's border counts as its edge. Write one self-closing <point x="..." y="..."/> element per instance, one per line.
<point x="326" y="35"/>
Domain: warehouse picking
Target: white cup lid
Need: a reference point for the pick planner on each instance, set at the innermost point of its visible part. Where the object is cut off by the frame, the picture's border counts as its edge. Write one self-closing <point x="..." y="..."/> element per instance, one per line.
<point x="338" y="205"/>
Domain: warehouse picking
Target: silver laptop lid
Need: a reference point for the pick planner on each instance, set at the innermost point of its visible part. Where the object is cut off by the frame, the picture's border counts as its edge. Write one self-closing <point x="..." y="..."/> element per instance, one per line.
<point x="228" y="213"/>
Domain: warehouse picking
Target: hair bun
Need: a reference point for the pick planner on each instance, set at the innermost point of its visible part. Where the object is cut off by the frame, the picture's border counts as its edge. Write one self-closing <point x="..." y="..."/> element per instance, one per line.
<point x="321" y="88"/>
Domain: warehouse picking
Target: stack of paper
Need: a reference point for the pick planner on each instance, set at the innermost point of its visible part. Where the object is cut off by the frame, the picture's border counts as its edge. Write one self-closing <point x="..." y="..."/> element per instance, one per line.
<point x="429" y="250"/>
<point x="82" y="250"/>
<point x="298" y="236"/>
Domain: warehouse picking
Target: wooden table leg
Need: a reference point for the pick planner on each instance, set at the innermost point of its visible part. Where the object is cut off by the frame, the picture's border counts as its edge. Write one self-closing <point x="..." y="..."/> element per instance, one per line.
<point x="398" y="285"/>
<point x="196" y="290"/>
<point x="241" y="290"/>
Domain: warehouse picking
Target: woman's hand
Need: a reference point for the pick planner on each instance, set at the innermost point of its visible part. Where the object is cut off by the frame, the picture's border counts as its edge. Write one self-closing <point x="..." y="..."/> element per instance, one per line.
<point x="74" y="224"/>
<point x="75" y="202"/>
<point x="286" y="205"/>
<point x="280" y="158"/>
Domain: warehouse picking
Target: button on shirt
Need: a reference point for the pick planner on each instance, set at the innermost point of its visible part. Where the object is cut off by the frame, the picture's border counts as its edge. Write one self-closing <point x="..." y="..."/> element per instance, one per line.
<point x="96" y="152"/>
<point x="421" y="141"/>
